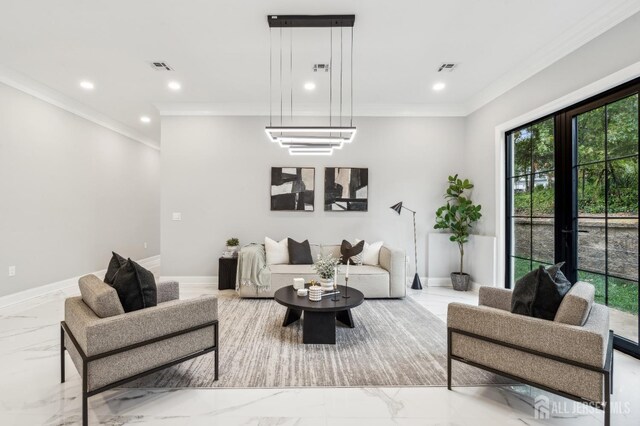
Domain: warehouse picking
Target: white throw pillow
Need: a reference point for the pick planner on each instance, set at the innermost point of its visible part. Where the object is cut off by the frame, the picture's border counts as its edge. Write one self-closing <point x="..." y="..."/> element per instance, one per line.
<point x="371" y="253"/>
<point x="277" y="252"/>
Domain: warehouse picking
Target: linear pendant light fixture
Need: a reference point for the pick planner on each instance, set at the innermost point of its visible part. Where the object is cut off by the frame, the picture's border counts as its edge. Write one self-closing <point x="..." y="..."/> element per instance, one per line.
<point x="311" y="140"/>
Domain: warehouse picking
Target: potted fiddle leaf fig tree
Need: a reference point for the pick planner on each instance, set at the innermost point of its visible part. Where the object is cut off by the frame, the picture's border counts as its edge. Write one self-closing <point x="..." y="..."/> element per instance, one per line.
<point x="458" y="217"/>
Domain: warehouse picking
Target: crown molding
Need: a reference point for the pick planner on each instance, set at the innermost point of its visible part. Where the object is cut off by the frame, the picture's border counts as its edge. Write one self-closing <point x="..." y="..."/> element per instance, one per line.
<point x="591" y="27"/>
<point x="362" y="110"/>
<point x="44" y="93"/>
<point x="595" y="24"/>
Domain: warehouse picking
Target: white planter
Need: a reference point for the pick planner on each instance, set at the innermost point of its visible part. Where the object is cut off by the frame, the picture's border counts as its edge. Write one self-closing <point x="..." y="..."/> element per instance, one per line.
<point x="232" y="248"/>
<point x="326" y="284"/>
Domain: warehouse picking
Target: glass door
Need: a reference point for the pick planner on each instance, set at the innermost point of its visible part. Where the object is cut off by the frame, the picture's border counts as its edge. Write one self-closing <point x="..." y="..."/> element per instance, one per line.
<point x="572" y="196"/>
<point x="605" y="184"/>
<point x="531" y="188"/>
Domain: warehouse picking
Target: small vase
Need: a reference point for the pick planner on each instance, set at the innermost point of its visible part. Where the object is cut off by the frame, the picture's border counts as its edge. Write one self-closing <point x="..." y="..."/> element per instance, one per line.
<point x="232" y="248"/>
<point x="326" y="283"/>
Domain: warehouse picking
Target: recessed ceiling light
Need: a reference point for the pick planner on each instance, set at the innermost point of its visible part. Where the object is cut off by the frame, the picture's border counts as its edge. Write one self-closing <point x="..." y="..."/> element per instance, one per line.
<point x="438" y="86"/>
<point x="86" y="85"/>
<point x="310" y="86"/>
<point x="174" y="85"/>
<point x="145" y="119"/>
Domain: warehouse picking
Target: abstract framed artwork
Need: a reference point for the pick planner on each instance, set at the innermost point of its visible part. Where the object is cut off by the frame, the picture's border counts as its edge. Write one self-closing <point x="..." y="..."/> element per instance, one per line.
<point x="346" y="189"/>
<point x="292" y="188"/>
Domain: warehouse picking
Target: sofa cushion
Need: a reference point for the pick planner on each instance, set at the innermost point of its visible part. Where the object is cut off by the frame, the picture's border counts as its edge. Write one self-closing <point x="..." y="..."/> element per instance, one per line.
<point x="295" y="270"/>
<point x="100" y="297"/>
<point x="299" y="253"/>
<point x="277" y="252"/>
<point x="576" y="304"/>
<point x="373" y="281"/>
<point x="136" y="287"/>
<point x="316" y="251"/>
<point x="332" y="250"/>
<point x="115" y="263"/>
<point x="351" y="253"/>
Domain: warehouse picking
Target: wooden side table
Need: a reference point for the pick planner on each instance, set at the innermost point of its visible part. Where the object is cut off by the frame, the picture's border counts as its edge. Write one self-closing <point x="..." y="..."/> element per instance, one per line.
<point x="227" y="268"/>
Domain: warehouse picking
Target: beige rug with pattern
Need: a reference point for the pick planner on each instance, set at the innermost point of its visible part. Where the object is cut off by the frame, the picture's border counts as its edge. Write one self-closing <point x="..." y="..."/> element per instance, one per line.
<point x="394" y="343"/>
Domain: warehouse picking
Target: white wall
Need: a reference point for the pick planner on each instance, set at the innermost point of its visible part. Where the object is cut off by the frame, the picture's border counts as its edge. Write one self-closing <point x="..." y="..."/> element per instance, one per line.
<point x="606" y="54"/>
<point x="408" y="160"/>
<point x="444" y="258"/>
<point x="71" y="191"/>
<point x="601" y="57"/>
<point x="216" y="172"/>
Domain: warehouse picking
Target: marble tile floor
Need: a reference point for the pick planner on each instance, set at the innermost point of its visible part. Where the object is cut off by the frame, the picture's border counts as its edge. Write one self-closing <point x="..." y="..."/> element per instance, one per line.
<point x="30" y="392"/>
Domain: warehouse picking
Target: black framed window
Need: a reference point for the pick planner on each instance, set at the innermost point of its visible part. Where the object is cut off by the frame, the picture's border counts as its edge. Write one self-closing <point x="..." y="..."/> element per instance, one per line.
<point x="531" y="196"/>
<point x="572" y="185"/>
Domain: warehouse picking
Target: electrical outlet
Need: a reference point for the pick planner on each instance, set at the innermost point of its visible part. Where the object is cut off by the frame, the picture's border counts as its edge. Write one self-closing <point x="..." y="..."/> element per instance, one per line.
<point x="145" y="245"/>
<point x="12" y="271"/>
<point x="176" y="216"/>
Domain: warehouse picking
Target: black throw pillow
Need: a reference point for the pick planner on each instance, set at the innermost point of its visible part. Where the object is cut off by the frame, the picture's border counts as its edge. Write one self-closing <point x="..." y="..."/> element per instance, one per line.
<point x="552" y="287"/>
<point x="115" y="263"/>
<point x="348" y="251"/>
<point x="524" y="294"/>
<point x="299" y="253"/>
<point x="136" y="287"/>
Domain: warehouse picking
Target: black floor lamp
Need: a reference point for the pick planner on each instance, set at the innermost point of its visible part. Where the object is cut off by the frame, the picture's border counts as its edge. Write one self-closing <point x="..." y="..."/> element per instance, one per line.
<point x="416" y="285"/>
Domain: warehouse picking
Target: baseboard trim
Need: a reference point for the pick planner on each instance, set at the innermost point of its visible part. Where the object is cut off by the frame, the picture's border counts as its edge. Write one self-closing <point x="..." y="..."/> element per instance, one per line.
<point x="446" y="282"/>
<point x="439" y="282"/>
<point x="192" y="279"/>
<point x="22" y="296"/>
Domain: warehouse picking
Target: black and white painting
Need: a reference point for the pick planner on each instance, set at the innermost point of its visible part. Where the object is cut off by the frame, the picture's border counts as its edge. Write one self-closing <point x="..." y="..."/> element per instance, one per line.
<point x="292" y="188"/>
<point x="346" y="189"/>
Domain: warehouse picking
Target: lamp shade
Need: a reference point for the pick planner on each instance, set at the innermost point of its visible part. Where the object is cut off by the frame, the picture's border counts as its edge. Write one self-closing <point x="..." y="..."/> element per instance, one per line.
<point x="397" y="207"/>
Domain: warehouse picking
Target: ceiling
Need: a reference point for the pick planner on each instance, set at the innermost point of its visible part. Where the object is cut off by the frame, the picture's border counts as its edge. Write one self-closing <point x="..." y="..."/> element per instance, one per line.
<point x="220" y="53"/>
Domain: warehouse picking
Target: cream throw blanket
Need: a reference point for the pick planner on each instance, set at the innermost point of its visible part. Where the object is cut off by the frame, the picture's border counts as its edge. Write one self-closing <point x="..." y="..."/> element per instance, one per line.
<point x="252" y="267"/>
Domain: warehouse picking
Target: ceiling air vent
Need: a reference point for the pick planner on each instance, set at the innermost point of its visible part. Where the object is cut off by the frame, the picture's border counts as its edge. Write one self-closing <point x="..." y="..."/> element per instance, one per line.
<point x="447" y="66"/>
<point x="161" y="66"/>
<point x="320" y="67"/>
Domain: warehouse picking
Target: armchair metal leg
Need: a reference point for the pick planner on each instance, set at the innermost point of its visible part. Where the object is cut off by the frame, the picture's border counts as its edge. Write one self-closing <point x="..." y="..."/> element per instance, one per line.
<point x="62" y="349"/>
<point x="85" y="410"/>
<point x="215" y="327"/>
<point x="85" y="393"/>
<point x="448" y="358"/>
<point x="607" y="399"/>
<point x="611" y="374"/>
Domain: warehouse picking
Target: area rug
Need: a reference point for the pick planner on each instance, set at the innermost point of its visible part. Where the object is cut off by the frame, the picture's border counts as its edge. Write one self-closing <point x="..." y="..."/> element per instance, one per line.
<point x="394" y="343"/>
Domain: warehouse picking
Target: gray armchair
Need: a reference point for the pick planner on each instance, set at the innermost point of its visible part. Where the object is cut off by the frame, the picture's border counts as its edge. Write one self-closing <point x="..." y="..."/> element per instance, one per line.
<point x="110" y="348"/>
<point x="571" y="356"/>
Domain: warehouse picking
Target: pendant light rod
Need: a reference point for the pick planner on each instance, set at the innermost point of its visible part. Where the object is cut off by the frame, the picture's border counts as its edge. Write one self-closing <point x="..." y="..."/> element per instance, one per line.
<point x="351" y="84"/>
<point x="291" y="71"/>
<point x="281" y="76"/>
<point x="341" y="68"/>
<point x="330" y="75"/>
<point x="270" y="77"/>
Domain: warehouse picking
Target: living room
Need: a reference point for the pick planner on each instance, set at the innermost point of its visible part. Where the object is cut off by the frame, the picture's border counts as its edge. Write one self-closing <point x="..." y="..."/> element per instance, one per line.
<point x="350" y="212"/>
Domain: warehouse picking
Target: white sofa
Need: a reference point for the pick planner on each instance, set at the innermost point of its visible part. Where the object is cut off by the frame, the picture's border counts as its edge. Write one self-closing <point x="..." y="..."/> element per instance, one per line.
<point x="387" y="280"/>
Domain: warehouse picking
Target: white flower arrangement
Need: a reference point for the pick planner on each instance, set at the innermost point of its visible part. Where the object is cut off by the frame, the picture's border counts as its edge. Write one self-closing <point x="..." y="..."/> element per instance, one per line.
<point x="326" y="266"/>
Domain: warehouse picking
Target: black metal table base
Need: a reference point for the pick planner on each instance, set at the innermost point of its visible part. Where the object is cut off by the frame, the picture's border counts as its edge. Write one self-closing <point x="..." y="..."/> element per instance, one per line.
<point x="319" y="327"/>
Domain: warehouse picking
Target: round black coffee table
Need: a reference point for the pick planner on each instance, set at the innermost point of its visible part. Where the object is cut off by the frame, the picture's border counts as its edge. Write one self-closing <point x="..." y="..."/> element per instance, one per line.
<point x="319" y="325"/>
